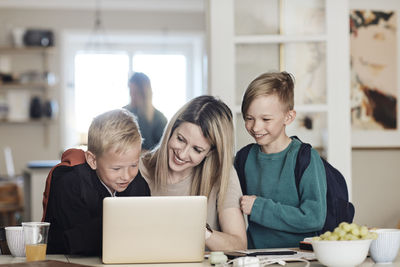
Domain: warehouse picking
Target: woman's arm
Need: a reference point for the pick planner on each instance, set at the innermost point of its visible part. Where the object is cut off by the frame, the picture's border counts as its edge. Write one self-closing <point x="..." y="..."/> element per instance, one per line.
<point x="233" y="231"/>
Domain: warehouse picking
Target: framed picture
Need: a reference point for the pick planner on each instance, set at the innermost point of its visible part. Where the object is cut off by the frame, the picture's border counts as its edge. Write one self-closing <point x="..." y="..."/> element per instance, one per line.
<point x="374" y="88"/>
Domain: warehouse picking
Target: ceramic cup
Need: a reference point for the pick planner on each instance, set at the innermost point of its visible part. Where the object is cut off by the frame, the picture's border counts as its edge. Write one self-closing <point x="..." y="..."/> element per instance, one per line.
<point x="15" y="240"/>
<point x="385" y="248"/>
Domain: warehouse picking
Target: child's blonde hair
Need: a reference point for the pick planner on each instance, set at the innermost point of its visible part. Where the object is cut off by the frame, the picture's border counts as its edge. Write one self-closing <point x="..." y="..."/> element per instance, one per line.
<point x="270" y="83"/>
<point x="116" y="129"/>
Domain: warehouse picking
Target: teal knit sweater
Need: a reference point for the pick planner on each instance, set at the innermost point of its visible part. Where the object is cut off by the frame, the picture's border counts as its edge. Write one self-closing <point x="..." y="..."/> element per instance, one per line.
<point x="278" y="217"/>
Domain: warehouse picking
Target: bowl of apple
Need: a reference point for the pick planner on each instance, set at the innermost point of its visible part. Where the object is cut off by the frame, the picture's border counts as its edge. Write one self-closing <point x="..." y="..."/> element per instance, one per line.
<point x="347" y="245"/>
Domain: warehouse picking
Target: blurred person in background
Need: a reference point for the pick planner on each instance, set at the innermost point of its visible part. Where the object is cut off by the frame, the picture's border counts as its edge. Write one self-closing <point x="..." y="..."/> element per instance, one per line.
<point x="151" y="121"/>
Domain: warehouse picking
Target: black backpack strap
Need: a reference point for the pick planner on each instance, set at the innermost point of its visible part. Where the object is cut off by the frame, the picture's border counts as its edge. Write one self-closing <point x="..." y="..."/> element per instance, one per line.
<point x="302" y="161"/>
<point x="240" y="161"/>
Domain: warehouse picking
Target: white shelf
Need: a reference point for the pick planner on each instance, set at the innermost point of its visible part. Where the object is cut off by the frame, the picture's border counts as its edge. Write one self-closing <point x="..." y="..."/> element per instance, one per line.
<point x="299" y="108"/>
<point x="276" y="38"/>
<point x="311" y="108"/>
<point x="257" y="53"/>
<point x="19" y="94"/>
<point x="33" y="85"/>
<point x="40" y="121"/>
<point x="10" y="50"/>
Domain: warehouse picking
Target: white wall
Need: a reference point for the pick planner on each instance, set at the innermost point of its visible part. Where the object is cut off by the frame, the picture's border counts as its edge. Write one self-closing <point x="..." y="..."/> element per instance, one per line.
<point x="375" y="173"/>
<point x="376" y="187"/>
<point x="36" y="142"/>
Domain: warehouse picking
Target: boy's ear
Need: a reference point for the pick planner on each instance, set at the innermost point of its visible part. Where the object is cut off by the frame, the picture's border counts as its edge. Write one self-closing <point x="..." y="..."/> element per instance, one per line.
<point x="290" y="116"/>
<point x="91" y="160"/>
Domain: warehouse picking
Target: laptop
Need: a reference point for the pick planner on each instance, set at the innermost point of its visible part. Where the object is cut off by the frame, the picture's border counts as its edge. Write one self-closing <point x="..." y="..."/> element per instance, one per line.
<point x="154" y="229"/>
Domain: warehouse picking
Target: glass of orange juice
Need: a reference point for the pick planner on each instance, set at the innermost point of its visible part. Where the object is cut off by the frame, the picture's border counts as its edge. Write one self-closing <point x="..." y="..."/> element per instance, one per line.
<point x="35" y="234"/>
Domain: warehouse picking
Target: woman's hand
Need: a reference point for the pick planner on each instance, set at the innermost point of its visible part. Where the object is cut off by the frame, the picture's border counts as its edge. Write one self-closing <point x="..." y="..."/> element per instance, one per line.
<point x="246" y="203"/>
<point x="233" y="231"/>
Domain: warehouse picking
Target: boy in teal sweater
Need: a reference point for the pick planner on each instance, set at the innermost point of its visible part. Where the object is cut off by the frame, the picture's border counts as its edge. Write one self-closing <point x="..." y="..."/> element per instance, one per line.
<point x="279" y="215"/>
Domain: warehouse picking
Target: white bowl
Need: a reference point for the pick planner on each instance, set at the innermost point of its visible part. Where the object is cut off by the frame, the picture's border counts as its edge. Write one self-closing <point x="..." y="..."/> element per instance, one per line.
<point x="341" y="253"/>
<point x="15" y="240"/>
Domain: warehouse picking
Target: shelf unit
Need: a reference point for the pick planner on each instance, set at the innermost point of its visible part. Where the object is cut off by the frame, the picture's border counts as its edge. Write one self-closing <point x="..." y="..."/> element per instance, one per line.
<point x="281" y="41"/>
<point x="40" y="121"/>
<point x="26" y="61"/>
<point x="277" y="39"/>
<point x="26" y="49"/>
<point x="238" y="55"/>
<point x="30" y="86"/>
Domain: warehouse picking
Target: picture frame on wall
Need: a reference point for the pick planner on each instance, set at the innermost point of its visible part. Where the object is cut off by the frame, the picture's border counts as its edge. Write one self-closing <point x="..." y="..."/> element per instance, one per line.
<point x="374" y="68"/>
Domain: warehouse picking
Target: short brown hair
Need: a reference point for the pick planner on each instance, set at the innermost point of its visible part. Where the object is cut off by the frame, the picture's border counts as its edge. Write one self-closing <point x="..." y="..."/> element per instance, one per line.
<point x="143" y="84"/>
<point x="116" y="129"/>
<point x="269" y="83"/>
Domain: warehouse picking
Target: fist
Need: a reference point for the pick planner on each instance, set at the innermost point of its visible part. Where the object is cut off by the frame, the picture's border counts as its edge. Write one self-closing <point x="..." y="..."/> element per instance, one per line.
<point x="246" y="203"/>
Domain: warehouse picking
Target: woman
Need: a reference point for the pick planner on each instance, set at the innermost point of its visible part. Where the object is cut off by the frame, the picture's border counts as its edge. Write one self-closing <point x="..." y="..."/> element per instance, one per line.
<point x="195" y="157"/>
<point x="151" y="121"/>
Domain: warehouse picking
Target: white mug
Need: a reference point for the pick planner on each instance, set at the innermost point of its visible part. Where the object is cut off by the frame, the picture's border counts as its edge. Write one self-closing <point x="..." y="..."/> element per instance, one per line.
<point x="15" y="240"/>
<point x="386" y="247"/>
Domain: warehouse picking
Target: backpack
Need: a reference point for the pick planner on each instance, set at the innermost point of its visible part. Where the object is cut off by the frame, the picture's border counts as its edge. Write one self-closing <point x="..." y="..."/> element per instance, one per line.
<point x="338" y="209"/>
<point x="70" y="157"/>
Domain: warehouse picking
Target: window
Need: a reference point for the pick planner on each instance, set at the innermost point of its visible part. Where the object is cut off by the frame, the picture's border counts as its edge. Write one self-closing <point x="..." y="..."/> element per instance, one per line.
<point x="168" y="80"/>
<point x="100" y="85"/>
<point x="97" y="80"/>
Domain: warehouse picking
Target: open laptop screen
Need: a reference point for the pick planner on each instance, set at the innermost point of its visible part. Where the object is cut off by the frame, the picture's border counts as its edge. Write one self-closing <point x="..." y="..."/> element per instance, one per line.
<point x="154" y="229"/>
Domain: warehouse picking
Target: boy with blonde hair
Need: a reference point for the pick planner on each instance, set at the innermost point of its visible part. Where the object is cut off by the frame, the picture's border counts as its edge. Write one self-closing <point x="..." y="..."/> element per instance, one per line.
<point x="278" y="214"/>
<point x="75" y="189"/>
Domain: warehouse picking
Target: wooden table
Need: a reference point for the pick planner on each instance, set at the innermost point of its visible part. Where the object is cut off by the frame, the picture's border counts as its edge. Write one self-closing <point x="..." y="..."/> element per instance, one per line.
<point x="96" y="261"/>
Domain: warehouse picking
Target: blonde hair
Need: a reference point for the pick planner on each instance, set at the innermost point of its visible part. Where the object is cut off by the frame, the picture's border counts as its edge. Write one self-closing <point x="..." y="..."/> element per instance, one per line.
<point x="215" y="120"/>
<point x="278" y="83"/>
<point x="116" y="129"/>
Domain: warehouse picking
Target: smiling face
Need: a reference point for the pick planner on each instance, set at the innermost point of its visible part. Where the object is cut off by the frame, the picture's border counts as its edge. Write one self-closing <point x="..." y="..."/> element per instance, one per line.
<point x="265" y="120"/>
<point x="187" y="148"/>
<point x="116" y="170"/>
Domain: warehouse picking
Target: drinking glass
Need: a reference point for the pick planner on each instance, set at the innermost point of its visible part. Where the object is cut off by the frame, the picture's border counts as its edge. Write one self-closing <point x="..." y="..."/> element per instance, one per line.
<point x="35" y="240"/>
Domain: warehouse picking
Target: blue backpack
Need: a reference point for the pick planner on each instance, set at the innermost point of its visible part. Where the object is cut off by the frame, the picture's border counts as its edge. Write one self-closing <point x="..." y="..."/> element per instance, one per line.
<point x="339" y="209"/>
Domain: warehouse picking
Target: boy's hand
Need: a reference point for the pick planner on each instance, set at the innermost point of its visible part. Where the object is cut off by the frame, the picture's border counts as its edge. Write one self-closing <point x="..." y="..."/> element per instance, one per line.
<point x="246" y="203"/>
